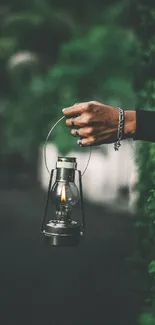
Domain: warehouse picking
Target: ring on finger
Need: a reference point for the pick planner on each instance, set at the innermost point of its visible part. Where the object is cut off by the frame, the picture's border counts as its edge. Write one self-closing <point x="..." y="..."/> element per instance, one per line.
<point x="75" y="133"/>
<point x="72" y="121"/>
<point x="79" y="142"/>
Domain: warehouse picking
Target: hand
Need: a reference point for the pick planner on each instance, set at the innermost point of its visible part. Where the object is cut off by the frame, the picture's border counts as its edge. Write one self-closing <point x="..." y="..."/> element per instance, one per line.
<point x="97" y="123"/>
<point x="94" y="122"/>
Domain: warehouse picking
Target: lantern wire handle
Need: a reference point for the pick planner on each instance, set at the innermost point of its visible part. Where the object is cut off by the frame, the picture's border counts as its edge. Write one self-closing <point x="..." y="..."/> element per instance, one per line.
<point x="45" y="145"/>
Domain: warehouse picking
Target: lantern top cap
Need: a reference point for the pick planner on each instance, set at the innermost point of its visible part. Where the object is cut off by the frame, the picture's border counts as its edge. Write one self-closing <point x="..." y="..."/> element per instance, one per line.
<point x="67" y="159"/>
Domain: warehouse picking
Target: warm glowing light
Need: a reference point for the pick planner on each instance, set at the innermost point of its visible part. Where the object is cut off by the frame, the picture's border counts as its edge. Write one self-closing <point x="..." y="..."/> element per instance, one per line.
<point x="63" y="195"/>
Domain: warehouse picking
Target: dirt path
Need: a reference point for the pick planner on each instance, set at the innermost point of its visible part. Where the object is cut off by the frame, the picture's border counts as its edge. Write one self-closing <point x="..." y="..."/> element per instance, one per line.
<point x="87" y="285"/>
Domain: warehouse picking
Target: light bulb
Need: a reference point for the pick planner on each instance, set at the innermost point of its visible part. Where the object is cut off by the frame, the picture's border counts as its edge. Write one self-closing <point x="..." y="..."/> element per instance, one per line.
<point x="64" y="193"/>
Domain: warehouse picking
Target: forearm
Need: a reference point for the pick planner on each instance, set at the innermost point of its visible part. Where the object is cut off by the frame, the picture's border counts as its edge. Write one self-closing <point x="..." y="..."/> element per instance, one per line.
<point x="140" y="125"/>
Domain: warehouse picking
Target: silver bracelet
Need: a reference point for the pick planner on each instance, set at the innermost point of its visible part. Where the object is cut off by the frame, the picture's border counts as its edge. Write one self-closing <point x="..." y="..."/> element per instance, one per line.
<point x="117" y="144"/>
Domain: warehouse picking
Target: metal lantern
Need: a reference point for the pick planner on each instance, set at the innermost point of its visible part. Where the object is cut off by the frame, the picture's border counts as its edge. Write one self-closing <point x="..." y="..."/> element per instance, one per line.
<point x="65" y="196"/>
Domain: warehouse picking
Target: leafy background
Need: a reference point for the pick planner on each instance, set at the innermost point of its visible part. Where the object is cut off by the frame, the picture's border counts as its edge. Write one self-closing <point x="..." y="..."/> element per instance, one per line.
<point x="77" y="59"/>
<point x="54" y="54"/>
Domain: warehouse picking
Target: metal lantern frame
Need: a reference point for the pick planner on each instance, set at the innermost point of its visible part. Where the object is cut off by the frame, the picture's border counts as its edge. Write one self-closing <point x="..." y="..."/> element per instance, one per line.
<point x="69" y="232"/>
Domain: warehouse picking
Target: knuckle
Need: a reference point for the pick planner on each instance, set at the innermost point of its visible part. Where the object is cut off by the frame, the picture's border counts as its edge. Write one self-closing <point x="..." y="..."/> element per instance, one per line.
<point x="89" y="106"/>
<point x="91" y="140"/>
<point x="93" y="102"/>
<point x="83" y="107"/>
<point x="90" y="130"/>
<point x="87" y="119"/>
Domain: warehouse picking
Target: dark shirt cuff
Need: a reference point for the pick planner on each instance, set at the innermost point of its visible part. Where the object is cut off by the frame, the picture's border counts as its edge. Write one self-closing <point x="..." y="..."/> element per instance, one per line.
<point x="145" y="126"/>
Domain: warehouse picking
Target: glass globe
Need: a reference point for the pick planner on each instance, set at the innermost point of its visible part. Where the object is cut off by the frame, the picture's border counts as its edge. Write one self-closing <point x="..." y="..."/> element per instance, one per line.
<point x="64" y="193"/>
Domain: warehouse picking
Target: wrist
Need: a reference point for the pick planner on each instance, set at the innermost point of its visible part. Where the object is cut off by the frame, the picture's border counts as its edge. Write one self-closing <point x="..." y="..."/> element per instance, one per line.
<point x="129" y="124"/>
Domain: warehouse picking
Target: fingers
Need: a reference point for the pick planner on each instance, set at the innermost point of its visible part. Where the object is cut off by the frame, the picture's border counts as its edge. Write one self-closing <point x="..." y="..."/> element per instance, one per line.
<point x="86" y="135"/>
<point x="73" y="122"/>
<point x="95" y="141"/>
<point x="77" y="109"/>
<point x="94" y="122"/>
<point x="88" y="141"/>
<point x="92" y="141"/>
<point x="74" y="110"/>
<point x="89" y="136"/>
<point x="83" y="132"/>
<point x="80" y="121"/>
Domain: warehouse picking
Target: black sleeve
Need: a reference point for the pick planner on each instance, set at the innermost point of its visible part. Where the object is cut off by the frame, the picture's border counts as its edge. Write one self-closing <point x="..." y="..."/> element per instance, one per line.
<point x="145" y="126"/>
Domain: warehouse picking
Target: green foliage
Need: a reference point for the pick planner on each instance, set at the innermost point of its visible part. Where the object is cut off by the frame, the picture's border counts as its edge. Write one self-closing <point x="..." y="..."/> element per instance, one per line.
<point x="151" y="268"/>
<point x="81" y="55"/>
<point x="147" y="319"/>
<point x="145" y="89"/>
<point x="87" y="68"/>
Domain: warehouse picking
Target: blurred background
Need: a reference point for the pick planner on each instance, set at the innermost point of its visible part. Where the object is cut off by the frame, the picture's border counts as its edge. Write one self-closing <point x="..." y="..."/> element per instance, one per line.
<point x="54" y="54"/>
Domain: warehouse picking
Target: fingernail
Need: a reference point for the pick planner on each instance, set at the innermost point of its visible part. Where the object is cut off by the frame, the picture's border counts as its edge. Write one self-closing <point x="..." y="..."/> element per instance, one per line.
<point x="63" y="110"/>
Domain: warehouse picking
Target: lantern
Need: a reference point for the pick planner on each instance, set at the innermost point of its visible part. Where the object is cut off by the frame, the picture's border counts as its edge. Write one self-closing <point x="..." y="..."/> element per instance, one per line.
<point x="64" y="195"/>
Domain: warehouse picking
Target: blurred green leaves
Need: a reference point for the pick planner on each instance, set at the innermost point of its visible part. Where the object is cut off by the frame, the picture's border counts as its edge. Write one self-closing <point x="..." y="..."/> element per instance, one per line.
<point x="147" y="319"/>
<point x="7" y="46"/>
<point x="151" y="267"/>
<point x="89" y="58"/>
<point x="144" y="21"/>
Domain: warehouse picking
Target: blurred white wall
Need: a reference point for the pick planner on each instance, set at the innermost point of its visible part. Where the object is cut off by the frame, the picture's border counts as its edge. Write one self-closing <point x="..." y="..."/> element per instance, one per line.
<point x="107" y="174"/>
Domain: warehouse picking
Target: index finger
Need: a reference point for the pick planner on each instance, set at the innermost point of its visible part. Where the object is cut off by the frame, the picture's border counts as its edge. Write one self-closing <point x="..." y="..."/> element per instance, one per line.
<point x="74" y="110"/>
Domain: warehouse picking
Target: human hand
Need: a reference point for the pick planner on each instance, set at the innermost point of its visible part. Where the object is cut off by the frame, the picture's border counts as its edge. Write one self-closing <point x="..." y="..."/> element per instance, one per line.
<point x="95" y="123"/>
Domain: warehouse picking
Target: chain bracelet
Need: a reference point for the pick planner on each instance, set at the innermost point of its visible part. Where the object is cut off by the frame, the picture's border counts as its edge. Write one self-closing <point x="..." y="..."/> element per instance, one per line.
<point x="117" y="144"/>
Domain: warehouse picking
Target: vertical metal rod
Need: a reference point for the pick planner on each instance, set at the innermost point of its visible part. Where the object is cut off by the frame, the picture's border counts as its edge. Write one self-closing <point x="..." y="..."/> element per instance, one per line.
<point x="82" y="205"/>
<point x="47" y="200"/>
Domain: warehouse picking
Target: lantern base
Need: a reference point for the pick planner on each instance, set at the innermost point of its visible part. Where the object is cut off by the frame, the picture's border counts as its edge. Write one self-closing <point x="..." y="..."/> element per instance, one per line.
<point x="62" y="234"/>
<point x="59" y="241"/>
